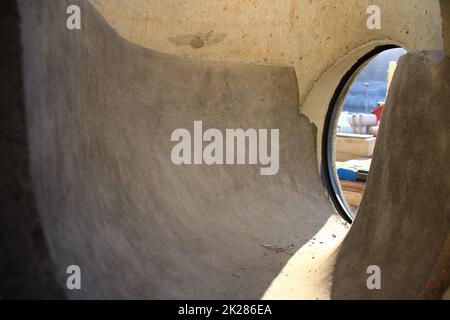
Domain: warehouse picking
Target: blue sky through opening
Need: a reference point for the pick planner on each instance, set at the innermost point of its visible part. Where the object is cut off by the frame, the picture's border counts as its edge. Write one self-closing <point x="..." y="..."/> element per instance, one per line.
<point x="375" y="74"/>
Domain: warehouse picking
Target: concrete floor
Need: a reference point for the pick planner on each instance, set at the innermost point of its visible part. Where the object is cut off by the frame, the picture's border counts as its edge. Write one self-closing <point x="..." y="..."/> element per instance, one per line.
<point x="93" y="175"/>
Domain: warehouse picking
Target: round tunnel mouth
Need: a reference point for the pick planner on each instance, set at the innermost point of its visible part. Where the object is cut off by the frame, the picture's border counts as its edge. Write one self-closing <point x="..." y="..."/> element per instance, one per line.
<point x="328" y="171"/>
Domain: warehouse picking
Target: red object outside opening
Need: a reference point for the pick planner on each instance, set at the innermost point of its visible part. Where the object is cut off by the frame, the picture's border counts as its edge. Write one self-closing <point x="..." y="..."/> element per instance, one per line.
<point x="379" y="111"/>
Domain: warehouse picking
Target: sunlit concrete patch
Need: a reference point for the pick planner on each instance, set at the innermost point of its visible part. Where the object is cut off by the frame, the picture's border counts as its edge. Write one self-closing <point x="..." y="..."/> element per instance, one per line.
<point x="307" y="275"/>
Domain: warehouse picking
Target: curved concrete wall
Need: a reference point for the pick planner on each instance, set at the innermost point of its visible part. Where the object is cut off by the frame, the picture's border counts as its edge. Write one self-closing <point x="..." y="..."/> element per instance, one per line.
<point x="100" y="115"/>
<point x="100" y="112"/>
<point x="310" y="36"/>
<point x="404" y="221"/>
<point x="321" y="40"/>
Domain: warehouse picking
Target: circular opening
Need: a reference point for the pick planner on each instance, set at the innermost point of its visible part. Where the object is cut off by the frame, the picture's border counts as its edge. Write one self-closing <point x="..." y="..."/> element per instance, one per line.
<point x="352" y="125"/>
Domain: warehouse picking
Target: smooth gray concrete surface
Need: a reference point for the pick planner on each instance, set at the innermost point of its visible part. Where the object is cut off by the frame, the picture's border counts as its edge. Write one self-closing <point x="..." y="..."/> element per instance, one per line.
<point x="100" y="115"/>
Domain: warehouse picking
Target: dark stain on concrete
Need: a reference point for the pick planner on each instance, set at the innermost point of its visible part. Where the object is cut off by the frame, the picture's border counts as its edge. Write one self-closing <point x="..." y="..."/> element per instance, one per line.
<point x="198" y="40"/>
<point x="277" y="249"/>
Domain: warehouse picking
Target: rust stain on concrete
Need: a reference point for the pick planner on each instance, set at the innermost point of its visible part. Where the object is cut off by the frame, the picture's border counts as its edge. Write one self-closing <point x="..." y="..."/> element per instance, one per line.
<point x="292" y="12"/>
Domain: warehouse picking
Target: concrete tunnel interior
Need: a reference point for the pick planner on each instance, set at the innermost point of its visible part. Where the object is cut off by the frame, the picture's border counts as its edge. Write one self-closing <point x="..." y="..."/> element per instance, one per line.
<point x="87" y="178"/>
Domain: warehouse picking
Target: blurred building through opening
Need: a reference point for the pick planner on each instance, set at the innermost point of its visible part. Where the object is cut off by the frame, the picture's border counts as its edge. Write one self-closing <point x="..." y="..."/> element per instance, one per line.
<point x="359" y="123"/>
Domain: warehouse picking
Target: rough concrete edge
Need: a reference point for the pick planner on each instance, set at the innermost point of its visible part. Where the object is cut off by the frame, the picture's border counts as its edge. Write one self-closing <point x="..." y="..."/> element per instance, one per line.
<point x="145" y="51"/>
<point x="335" y="73"/>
